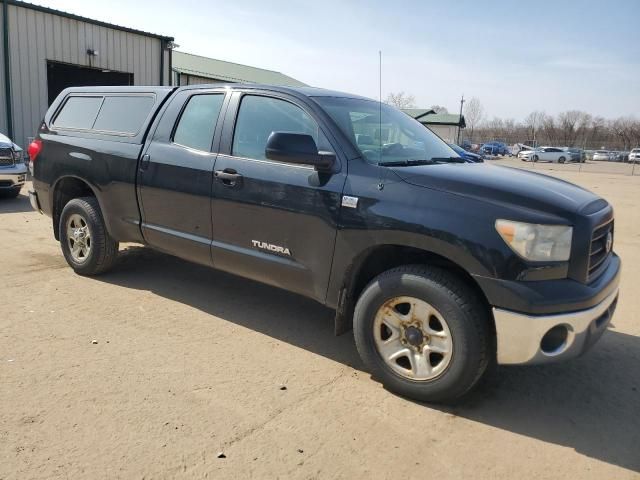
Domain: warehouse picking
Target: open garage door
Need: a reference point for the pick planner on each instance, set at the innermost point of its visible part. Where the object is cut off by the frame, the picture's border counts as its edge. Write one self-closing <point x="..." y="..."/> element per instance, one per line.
<point x="63" y="75"/>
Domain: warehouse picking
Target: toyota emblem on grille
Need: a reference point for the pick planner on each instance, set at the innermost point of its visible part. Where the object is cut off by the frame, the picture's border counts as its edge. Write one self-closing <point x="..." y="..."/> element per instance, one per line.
<point x="609" y="243"/>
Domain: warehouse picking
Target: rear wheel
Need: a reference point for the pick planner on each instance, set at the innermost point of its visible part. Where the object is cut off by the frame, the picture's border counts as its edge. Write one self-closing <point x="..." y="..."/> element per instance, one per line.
<point x="561" y="160"/>
<point x="86" y="244"/>
<point x="423" y="332"/>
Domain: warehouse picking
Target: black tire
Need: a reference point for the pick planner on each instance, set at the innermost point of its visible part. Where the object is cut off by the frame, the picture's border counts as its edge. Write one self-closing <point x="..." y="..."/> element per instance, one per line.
<point x="10" y="192"/>
<point x="104" y="249"/>
<point x="562" y="160"/>
<point x="467" y="317"/>
<point x="535" y="158"/>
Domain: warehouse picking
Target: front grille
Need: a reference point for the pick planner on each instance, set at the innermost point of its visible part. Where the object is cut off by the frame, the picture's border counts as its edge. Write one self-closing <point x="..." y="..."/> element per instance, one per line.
<point x="598" y="252"/>
<point x="6" y="157"/>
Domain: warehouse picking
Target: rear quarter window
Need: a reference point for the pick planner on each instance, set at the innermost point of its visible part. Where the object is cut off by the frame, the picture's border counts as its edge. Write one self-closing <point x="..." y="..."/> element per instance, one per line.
<point x="115" y="114"/>
<point x="124" y="114"/>
<point x="78" y="112"/>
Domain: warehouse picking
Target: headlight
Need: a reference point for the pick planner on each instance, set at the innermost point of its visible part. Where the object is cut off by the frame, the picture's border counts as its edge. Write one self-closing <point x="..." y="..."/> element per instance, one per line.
<point x="538" y="243"/>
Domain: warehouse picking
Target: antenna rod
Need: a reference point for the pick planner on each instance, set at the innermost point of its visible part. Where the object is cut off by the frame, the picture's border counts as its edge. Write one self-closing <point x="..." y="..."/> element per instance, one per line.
<point x="380" y="100"/>
<point x="382" y="170"/>
<point x="460" y="118"/>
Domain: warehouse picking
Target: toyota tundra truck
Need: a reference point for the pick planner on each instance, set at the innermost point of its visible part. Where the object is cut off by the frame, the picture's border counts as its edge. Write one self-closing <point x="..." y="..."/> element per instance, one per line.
<point x="440" y="266"/>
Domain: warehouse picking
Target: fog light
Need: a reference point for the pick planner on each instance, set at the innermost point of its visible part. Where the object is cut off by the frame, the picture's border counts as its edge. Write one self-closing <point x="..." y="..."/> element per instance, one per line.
<point x="554" y="340"/>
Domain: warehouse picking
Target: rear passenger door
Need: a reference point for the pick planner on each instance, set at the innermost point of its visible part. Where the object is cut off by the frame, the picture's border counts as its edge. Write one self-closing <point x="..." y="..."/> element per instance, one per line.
<point x="176" y="173"/>
<point x="545" y="155"/>
<point x="274" y="222"/>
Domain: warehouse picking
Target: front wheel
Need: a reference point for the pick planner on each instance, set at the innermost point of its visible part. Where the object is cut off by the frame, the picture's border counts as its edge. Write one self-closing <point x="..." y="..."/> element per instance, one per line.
<point x="535" y="158"/>
<point x="424" y="333"/>
<point x="86" y="244"/>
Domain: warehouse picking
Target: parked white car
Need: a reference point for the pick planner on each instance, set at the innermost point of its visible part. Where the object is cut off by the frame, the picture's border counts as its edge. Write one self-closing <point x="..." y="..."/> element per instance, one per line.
<point x="634" y="155"/>
<point x="545" y="154"/>
<point x="602" y="156"/>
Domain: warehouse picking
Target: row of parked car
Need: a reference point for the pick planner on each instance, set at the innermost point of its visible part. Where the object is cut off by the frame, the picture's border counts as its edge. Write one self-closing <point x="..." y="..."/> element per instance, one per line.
<point x="614" y="156"/>
<point x="550" y="153"/>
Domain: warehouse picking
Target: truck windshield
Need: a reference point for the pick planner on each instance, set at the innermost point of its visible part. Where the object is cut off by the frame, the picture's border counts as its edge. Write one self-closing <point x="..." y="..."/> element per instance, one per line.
<point x="385" y="135"/>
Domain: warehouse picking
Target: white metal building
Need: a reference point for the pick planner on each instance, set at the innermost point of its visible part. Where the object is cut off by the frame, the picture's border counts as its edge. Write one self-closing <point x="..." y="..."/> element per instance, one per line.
<point x="445" y="125"/>
<point x="44" y="51"/>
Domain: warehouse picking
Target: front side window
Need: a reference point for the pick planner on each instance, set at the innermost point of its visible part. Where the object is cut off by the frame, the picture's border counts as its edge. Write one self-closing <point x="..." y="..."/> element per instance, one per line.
<point x="198" y="121"/>
<point x="384" y="134"/>
<point x="259" y="116"/>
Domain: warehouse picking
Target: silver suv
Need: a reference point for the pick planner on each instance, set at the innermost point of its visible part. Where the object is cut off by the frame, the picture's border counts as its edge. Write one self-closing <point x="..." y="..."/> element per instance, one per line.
<point x="13" y="171"/>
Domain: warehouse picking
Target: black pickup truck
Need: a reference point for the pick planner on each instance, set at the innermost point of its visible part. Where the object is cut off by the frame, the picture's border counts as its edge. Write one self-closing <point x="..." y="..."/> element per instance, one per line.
<point x="441" y="267"/>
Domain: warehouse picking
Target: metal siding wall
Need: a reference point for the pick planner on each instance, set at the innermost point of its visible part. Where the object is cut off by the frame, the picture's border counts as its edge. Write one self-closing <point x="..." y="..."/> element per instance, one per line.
<point x="35" y="37"/>
<point x="3" y="100"/>
<point x="195" y="80"/>
<point x="446" y="132"/>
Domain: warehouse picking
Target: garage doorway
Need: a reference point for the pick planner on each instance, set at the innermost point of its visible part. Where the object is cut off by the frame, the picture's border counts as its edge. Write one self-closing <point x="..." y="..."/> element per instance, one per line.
<point x="63" y="75"/>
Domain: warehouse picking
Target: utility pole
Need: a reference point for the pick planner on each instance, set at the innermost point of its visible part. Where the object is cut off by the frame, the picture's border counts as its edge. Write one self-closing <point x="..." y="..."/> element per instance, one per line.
<point x="460" y="118"/>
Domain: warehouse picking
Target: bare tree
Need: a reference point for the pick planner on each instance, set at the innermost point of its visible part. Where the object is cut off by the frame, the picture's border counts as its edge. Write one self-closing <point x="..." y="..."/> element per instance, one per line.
<point x="594" y="130"/>
<point x="510" y="128"/>
<point x="550" y="129"/>
<point x="570" y="128"/>
<point x="401" y="100"/>
<point x="628" y="130"/>
<point x="439" y="109"/>
<point x="571" y="124"/>
<point x="473" y="114"/>
<point x="533" y="122"/>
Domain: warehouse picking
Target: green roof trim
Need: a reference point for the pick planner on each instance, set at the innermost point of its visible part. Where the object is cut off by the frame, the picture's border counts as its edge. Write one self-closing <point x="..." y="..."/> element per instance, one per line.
<point x="190" y="64"/>
<point x="417" y="112"/>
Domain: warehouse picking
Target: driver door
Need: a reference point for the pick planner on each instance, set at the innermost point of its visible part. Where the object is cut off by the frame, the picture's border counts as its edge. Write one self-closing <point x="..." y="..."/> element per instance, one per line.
<point x="274" y="222"/>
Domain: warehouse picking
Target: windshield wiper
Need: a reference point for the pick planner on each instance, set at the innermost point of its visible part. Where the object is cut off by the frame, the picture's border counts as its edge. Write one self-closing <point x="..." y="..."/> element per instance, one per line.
<point x="406" y="163"/>
<point x="430" y="161"/>
<point x="449" y="159"/>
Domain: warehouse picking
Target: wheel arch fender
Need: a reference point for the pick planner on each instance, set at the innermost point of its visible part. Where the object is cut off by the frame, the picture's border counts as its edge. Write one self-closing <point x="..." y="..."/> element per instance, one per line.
<point x="375" y="259"/>
<point x="68" y="187"/>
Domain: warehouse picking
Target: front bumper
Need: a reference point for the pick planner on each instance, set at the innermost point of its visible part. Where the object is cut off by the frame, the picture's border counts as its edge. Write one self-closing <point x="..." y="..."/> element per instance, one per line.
<point x="531" y="339"/>
<point x="14" y="176"/>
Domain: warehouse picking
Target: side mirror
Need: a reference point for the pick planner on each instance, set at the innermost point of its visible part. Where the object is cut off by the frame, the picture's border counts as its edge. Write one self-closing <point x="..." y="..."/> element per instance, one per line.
<point x="298" y="148"/>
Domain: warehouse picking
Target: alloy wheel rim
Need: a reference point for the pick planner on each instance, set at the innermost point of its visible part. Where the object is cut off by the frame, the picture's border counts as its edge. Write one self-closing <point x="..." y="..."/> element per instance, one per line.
<point x="78" y="238"/>
<point x="413" y="338"/>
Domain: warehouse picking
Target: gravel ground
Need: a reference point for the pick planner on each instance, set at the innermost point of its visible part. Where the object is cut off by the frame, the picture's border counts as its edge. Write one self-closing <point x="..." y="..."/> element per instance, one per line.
<point x="154" y="370"/>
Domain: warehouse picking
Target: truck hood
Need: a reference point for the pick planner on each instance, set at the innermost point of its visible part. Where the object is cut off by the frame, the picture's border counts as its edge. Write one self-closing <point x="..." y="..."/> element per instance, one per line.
<point x="504" y="185"/>
<point x="5" y="142"/>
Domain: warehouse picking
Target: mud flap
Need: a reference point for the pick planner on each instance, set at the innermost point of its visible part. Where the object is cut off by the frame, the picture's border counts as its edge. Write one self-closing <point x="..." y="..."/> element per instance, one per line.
<point x="343" y="321"/>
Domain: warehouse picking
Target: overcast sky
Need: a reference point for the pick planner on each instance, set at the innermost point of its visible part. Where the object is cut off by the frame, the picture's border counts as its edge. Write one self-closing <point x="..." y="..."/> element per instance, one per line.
<point x="514" y="56"/>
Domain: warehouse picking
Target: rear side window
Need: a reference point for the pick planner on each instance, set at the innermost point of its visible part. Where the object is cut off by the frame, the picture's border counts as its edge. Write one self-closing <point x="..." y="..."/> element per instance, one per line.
<point x="120" y="114"/>
<point x="124" y="114"/>
<point x="198" y="121"/>
<point x="78" y="112"/>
